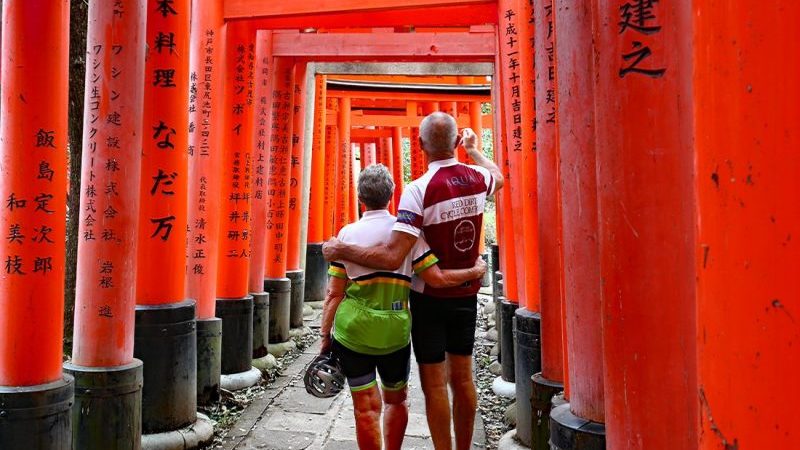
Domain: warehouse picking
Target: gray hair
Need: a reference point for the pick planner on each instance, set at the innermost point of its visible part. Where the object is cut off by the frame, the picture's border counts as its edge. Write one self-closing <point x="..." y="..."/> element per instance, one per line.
<point x="438" y="132"/>
<point x="375" y="186"/>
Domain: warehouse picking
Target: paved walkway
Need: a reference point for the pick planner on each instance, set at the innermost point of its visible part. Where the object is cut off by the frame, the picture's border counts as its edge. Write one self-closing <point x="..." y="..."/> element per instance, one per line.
<point x="287" y="417"/>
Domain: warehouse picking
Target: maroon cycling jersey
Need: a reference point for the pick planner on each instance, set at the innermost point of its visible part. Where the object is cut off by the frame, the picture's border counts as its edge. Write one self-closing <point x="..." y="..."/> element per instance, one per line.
<point x="446" y="206"/>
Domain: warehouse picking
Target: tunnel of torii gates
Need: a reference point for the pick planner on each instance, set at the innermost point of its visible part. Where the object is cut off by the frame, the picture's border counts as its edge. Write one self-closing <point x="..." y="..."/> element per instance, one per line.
<point x="647" y="236"/>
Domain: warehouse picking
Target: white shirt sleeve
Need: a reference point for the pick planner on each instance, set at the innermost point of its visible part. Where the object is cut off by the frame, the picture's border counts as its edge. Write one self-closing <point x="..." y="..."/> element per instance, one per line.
<point x="409" y="212"/>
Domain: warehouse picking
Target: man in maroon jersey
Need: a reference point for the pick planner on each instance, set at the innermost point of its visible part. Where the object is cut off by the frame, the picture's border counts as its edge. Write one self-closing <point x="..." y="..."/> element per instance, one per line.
<point x="446" y="206"/>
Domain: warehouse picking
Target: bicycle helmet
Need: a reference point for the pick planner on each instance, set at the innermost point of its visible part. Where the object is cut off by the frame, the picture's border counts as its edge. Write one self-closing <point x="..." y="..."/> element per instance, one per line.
<point x="324" y="376"/>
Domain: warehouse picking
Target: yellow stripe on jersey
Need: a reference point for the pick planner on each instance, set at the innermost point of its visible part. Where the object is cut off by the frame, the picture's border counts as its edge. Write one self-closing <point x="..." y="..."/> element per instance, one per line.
<point x="383" y="280"/>
<point x="338" y="272"/>
<point x="425" y="263"/>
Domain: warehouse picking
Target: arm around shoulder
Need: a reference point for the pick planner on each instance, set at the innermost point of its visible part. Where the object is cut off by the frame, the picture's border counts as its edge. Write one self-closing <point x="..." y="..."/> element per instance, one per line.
<point x="438" y="278"/>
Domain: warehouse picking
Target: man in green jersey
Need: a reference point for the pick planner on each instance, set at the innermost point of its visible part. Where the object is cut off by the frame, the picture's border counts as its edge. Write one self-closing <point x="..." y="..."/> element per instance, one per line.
<point x="367" y="312"/>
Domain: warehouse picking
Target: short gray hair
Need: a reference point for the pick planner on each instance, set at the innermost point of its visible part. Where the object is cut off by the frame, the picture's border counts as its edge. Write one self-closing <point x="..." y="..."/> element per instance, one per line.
<point x="438" y="132"/>
<point x="375" y="186"/>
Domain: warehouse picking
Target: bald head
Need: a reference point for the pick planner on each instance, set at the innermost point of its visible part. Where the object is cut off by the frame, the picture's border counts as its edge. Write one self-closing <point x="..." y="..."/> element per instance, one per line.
<point x="438" y="133"/>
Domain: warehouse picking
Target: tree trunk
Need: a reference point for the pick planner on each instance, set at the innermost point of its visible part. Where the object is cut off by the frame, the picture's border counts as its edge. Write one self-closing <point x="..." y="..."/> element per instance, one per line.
<point x="77" y="51"/>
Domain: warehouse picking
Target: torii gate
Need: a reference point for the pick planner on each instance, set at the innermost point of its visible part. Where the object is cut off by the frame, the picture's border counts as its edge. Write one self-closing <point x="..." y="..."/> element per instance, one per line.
<point x="689" y="224"/>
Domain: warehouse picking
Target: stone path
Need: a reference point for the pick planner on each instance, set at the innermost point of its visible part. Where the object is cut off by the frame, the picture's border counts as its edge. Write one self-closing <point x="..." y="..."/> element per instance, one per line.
<point x="287" y="417"/>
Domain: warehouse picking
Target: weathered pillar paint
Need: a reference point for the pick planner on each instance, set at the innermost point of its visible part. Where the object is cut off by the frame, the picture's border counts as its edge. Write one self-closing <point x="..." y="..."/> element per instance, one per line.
<point x="646" y="200"/>
<point x="509" y="301"/>
<point x="205" y="153"/>
<point x="343" y="167"/>
<point x="105" y="295"/>
<point x="262" y="123"/>
<point x="746" y="121"/>
<point x="279" y="168"/>
<point x="295" y="182"/>
<point x="165" y="337"/>
<point x="206" y="65"/>
<point x="397" y="165"/>
<point x="331" y="171"/>
<point x="417" y="156"/>
<point x="355" y="170"/>
<point x="316" y="214"/>
<point x="476" y="124"/>
<point x="545" y="157"/>
<point x="107" y="412"/>
<point x="369" y="153"/>
<point x="165" y="170"/>
<point x="511" y="102"/>
<point x="578" y="183"/>
<point x="33" y="187"/>
<point x="237" y="162"/>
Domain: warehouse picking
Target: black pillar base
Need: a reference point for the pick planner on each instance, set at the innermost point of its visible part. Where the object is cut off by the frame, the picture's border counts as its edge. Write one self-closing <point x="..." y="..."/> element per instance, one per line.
<point x="497" y="293"/>
<point x="165" y="340"/>
<point x="279" y="290"/>
<point x="37" y="417"/>
<point x="570" y="432"/>
<point x="528" y="361"/>
<point x="298" y="278"/>
<point x="237" y="334"/>
<point x="107" y="412"/>
<point x="316" y="274"/>
<point x="209" y="360"/>
<point x="543" y="391"/>
<point x="505" y="331"/>
<point x="260" y="324"/>
<point x="497" y="287"/>
<point x="494" y="263"/>
<point x="486" y="281"/>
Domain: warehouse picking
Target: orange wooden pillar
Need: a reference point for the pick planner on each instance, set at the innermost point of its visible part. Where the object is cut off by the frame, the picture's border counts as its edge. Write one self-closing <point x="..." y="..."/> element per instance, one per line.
<point x="109" y="218"/>
<point x="262" y="123"/>
<point x="294" y="270"/>
<point x="746" y="254"/>
<point x="170" y="365"/>
<point x="475" y="123"/>
<point x="278" y="180"/>
<point x="331" y="164"/>
<point x="452" y="109"/>
<point x="234" y="303"/>
<point x="369" y="152"/>
<point x="417" y="156"/>
<point x="355" y="168"/>
<point x="510" y="95"/>
<point x="537" y="270"/>
<point x="397" y="165"/>
<point x="509" y="298"/>
<point x="205" y="172"/>
<point x="316" y="268"/>
<point x="33" y="140"/>
<point x="318" y="160"/>
<point x="344" y="169"/>
<point x="582" y="419"/>
<point x="647" y="227"/>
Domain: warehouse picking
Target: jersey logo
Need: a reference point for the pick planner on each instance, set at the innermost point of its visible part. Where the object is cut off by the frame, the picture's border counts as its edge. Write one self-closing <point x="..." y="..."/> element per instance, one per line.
<point x="464" y="236"/>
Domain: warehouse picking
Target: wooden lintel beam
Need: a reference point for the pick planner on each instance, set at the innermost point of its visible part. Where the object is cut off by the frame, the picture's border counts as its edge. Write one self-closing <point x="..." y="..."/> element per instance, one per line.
<point x="369" y="133"/>
<point x="360" y="120"/>
<point x="409" y="96"/>
<point x="384" y="45"/>
<point x="441" y="16"/>
<point x="268" y="8"/>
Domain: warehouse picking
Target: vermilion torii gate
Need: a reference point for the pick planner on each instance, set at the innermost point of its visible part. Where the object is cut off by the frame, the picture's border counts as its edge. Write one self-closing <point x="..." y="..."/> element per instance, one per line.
<point x="652" y="229"/>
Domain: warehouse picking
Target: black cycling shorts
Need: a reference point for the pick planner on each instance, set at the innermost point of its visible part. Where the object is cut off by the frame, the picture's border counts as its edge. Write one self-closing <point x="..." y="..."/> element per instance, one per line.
<point x="359" y="368"/>
<point x="442" y="325"/>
